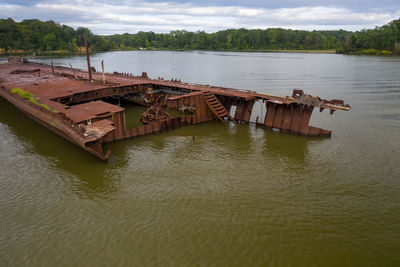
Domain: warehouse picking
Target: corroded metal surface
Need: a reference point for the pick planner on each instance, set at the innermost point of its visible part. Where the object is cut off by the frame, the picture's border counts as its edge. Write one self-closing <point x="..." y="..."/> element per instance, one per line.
<point x="156" y="112"/>
<point x="71" y="103"/>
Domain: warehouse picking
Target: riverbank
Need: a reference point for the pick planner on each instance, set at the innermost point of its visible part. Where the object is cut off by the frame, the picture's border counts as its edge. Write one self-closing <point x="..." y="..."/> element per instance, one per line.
<point x="21" y="52"/>
<point x="371" y="52"/>
<point x="66" y="52"/>
<point x="62" y="53"/>
<point x="329" y="51"/>
<point x="312" y="51"/>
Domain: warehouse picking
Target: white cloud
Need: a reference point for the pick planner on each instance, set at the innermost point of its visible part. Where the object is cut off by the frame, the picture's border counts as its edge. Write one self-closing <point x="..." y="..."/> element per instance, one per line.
<point x="133" y="16"/>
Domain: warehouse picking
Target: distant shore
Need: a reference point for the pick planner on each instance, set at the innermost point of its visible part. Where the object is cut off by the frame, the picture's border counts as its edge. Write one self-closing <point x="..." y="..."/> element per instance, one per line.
<point x="66" y="52"/>
<point x="61" y="53"/>
<point x="312" y="51"/>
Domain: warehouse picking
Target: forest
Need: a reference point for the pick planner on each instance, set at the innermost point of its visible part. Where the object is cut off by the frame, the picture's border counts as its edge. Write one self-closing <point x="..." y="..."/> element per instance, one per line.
<point x="35" y="36"/>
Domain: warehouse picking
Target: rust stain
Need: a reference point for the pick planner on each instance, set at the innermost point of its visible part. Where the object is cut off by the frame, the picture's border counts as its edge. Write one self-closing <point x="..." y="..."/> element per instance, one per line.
<point x="78" y="111"/>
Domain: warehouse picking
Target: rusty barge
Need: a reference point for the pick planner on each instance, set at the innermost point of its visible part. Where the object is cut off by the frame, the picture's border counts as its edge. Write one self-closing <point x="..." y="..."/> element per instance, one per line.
<point x="73" y="103"/>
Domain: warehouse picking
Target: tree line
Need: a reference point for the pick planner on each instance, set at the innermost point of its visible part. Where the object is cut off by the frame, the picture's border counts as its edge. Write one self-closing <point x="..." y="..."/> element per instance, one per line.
<point x="380" y="40"/>
<point x="39" y="36"/>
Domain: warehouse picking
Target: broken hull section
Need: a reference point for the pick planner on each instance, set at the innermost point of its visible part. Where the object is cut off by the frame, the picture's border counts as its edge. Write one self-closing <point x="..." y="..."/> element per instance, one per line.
<point x="80" y="110"/>
<point x="56" y="125"/>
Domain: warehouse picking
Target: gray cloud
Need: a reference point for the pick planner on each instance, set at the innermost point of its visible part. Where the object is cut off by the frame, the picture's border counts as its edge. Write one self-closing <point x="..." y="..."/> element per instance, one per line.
<point x="132" y="16"/>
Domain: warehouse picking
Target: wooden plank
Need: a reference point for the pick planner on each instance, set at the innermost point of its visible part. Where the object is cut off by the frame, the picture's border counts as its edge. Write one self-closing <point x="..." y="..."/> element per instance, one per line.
<point x="279" y="114"/>
<point x="269" y="117"/>
<point x="186" y="100"/>
<point x="148" y="129"/>
<point x="198" y="109"/>
<point x="324" y="132"/>
<point x="247" y="110"/>
<point x="194" y="119"/>
<point x="172" y="103"/>
<point x="208" y="114"/>
<point x="141" y="130"/>
<point x="164" y="126"/>
<point x="188" y="119"/>
<point x="180" y="102"/>
<point x="305" y="119"/>
<point x="182" y="121"/>
<point x="156" y="127"/>
<point x="314" y="131"/>
<point x="133" y="132"/>
<point x="176" y="122"/>
<point x="202" y="108"/>
<point x="296" y="118"/>
<point x="287" y="119"/>
<point x="239" y="111"/>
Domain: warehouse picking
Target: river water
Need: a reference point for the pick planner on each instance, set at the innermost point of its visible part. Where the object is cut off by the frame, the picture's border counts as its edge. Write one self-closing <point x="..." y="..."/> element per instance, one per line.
<point x="210" y="194"/>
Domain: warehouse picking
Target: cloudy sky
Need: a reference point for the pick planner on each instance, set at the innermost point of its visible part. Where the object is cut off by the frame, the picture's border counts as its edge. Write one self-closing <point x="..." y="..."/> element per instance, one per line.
<point x="120" y="16"/>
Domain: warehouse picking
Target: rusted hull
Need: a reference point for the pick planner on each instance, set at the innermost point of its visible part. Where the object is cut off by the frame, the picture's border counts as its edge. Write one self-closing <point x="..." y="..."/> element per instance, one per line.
<point x="52" y="124"/>
<point x="292" y="119"/>
<point x="74" y="106"/>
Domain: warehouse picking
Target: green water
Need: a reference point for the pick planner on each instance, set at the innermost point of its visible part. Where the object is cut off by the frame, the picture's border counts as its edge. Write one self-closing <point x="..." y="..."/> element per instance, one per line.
<point x="215" y="195"/>
<point x="132" y="115"/>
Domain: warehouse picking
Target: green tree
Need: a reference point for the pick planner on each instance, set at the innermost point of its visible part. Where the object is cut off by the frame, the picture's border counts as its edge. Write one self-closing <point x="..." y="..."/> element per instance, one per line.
<point x="36" y="35"/>
<point x="50" y="42"/>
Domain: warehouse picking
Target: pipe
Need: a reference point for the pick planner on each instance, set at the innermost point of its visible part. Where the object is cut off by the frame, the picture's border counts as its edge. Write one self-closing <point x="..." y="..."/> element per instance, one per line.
<point x="52" y="68"/>
<point x="87" y="57"/>
<point x="102" y="69"/>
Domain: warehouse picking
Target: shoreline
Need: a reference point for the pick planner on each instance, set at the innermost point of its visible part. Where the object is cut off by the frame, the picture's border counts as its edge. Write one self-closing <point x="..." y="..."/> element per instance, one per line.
<point x="61" y="53"/>
<point x="295" y="51"/>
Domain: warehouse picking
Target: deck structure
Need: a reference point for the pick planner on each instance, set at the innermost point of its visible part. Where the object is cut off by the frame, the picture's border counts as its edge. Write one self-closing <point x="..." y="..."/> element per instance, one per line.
<point x="74" y="104"/>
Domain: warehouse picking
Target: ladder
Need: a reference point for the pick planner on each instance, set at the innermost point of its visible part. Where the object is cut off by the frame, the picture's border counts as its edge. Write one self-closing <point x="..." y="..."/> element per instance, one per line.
<point x="216" y="107"/>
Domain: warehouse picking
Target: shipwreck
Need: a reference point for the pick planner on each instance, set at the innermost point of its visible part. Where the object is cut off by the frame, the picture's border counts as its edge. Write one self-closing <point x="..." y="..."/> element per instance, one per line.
<point x="75" y="104"/>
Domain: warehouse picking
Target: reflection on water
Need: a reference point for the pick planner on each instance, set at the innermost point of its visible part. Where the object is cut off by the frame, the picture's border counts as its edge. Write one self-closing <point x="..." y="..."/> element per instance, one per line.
<point x="96" y="179"/>
<point x="87" y="175"/>
<point x="132" y="115"/>
<point x="211" y="194"/>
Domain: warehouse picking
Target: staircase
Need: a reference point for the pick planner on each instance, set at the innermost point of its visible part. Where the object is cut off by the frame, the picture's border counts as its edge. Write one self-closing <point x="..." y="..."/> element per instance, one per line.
<point x="216" y="107"/>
